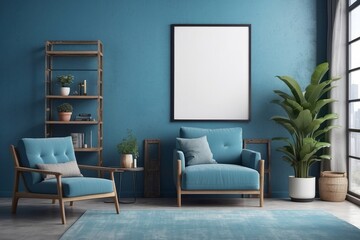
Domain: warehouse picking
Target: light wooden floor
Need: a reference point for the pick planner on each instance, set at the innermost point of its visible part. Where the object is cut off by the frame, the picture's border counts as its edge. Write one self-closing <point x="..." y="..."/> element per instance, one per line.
<point x="39" y="219"/>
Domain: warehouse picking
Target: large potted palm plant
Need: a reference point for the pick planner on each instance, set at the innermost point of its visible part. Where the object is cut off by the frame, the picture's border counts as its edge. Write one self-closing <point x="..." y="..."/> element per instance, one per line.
<point x="307" y="123"/>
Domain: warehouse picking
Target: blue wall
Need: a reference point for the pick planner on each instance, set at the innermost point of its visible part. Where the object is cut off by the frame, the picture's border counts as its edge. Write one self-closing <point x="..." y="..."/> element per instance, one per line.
<point x="288" y="37"/>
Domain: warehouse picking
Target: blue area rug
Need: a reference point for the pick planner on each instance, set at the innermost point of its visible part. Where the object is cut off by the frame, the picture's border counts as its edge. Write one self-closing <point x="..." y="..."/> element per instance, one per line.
<point x="210" y="224"/>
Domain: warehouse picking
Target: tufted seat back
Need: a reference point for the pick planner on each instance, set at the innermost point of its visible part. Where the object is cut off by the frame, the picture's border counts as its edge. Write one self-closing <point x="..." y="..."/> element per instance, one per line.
<point x="225" y="143"/>
<point x="34" y="151"/>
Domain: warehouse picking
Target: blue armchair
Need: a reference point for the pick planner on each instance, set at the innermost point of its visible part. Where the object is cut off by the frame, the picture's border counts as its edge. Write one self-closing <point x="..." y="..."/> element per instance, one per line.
<point x="213" y="161"/>
<point x="49" y="171"/>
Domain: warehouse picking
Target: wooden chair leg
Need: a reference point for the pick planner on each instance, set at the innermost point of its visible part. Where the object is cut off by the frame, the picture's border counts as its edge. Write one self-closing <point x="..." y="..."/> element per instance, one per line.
<point x="116" y="200"/>
<point x="117" y="207"/>
<point x="60" y="198"/>
<point x="14" y="204"/>
<point x="71" y="203"/>
<point x="15" y="191"/>
<point x="62" y="211"/>
<point x="262" y="162"/>
<point x="178" y="184"/>
<point x="53" y="201"/>
<point x="179" y="199"/>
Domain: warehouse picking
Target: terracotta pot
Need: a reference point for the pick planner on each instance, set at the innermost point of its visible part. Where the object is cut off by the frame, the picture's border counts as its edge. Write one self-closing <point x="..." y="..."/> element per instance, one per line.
<point x="65" y="91"/>
<point x="126" y="160"/>
<point x="64" y="116"/>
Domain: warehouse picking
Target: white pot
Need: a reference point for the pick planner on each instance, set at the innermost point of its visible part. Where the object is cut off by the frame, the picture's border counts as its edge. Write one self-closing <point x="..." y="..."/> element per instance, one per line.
<point x="65" y="91"/>
<point x="302" y="189"/>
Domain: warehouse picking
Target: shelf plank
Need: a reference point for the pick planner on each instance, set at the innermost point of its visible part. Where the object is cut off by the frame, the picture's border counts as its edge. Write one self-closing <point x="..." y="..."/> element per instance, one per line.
<point x="57" y="42"/>
<point x="74" y="69"/>
<point x="73" y="122"/>
<point x="88" y="149"/>
<point x="73" y="97"/>
<point x="74" y="53"/>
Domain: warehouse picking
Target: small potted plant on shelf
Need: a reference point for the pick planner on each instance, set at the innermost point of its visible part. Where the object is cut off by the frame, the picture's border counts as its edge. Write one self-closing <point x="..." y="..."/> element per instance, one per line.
<point x="65" y="111"/>
<point x="128" y="149"/>
<point x="65" y="81"/>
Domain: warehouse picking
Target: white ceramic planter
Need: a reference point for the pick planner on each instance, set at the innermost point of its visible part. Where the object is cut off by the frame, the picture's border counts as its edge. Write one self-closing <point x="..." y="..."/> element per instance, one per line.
<point x="302" y="189"/>
<point x="65" y="91"/>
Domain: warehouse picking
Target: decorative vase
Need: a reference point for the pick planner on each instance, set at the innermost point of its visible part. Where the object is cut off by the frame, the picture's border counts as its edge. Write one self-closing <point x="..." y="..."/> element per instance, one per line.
<point x="126" y="160"/>
<point x="301" y="189"/>
<point x="64" y="116"/>
<point x="333" y="186"/>
<point x="65" y="91"/>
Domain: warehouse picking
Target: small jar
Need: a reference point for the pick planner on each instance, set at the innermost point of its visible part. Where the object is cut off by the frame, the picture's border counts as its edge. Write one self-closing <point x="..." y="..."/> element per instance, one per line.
<point x="135" y="163"/>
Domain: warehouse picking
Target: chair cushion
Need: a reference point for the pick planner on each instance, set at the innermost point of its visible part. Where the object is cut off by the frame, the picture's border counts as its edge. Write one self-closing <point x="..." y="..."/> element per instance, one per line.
<point x="33" y="151"/>
<point x="75" y="186"/>
<point x="220" y="177"/>
<point x="196" y="150"/>
<point x="68" y="169"/>
<point x="225" y="143"/>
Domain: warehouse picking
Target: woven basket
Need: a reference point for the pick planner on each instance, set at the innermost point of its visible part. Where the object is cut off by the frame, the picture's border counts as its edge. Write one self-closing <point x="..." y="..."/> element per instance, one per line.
<point x="333" y="186"/>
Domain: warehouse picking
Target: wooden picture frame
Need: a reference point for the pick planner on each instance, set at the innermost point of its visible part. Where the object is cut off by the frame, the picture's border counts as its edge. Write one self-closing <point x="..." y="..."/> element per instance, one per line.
<point x="211" y="71"/>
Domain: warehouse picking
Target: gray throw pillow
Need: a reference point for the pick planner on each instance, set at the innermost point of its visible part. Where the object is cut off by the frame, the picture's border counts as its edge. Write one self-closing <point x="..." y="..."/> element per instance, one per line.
<point x="68" y="169"/>
<point x="196" y="150"/>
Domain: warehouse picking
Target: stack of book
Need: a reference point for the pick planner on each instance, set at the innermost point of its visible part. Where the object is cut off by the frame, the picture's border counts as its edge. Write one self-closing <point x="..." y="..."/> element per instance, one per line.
<point x="83" y="117"/>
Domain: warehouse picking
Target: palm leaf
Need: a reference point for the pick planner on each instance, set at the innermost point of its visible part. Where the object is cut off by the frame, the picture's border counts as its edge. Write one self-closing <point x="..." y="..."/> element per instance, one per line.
<point x="320" y="104"/>
<point x="319" y="73"/>
<point x="295" y="106"/>
<point x="294" y="88"/>
<point x="320" y="132"/>
<point x="283" y="95"/>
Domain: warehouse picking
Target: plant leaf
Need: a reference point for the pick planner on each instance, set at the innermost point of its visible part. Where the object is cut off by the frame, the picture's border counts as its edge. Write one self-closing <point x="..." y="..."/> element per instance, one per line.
<point x="319" y="72"/>
<point x="294" y="88"/>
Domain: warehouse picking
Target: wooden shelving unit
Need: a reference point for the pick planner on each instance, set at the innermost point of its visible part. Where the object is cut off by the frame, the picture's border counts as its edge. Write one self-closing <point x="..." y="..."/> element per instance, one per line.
<point x="86" y="59"/>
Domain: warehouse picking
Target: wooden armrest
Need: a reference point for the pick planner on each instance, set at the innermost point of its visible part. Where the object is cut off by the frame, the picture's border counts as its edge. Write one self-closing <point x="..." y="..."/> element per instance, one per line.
<point x="98" y="168"/>
<point x="25" y="169"/>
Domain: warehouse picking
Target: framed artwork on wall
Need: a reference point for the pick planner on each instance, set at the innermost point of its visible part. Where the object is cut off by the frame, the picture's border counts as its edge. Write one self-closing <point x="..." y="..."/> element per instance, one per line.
<point x="210" y="72"/>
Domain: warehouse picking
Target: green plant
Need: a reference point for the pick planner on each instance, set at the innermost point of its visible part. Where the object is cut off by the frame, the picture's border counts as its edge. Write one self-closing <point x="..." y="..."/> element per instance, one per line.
<point x="65" y="80"/>
<point x="65" y="107"/>
<point x="305" y="120"/>
<point x="128" y="145"/>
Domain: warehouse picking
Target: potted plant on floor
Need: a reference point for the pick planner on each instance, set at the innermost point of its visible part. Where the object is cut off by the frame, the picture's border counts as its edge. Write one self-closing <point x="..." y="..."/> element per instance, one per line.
<point x="64" y="111"/>
<point x="65" y="81"/>
<point x="128" y="149"/>
<point x="306" y="124"/>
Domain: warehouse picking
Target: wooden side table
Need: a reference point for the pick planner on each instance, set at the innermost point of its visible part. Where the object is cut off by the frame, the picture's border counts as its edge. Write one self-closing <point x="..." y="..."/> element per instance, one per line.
<point x="134" y="171"/>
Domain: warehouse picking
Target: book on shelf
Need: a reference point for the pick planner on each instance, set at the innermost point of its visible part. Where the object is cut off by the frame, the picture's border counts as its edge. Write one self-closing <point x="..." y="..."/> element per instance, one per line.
<point x="78" y="139"/>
